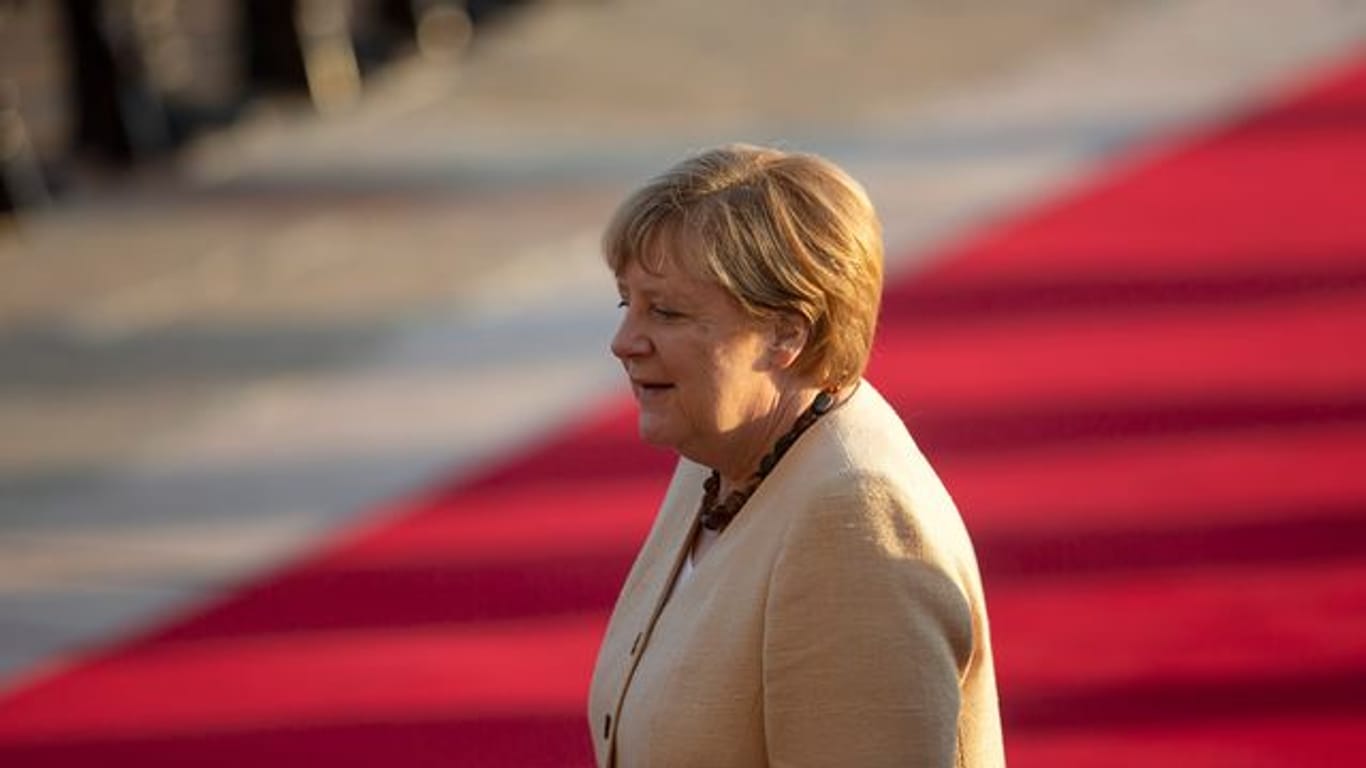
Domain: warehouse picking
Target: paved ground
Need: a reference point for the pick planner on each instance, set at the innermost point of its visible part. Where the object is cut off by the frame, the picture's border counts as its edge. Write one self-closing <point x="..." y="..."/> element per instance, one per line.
<point x="206" y="368"/>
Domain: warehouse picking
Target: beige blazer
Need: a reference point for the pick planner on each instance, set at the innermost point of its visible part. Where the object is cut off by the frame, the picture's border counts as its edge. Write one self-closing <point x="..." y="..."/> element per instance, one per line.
<point x="838" y="620"/>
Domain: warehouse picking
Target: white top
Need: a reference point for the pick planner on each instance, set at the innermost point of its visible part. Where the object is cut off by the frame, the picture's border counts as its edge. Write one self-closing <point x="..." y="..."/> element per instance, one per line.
<point x="685" y="572"/>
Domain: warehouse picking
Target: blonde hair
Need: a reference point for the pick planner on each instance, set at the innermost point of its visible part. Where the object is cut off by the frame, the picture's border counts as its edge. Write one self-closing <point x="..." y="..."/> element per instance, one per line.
<point x="782" y="232"/>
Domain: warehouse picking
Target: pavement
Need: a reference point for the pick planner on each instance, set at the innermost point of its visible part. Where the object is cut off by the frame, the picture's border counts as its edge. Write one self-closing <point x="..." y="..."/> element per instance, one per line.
<point x="210" y="367"/>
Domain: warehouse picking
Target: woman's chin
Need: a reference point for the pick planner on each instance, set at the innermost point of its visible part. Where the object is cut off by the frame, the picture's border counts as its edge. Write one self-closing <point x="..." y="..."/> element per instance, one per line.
<point x="654" y="432"/>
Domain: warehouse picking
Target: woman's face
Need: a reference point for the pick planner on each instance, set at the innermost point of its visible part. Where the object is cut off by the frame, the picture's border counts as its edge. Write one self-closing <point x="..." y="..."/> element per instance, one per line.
<point x="699" y="366"/>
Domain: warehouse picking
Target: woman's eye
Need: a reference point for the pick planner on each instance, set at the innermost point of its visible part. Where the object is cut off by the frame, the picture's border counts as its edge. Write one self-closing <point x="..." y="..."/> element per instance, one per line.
<point x="623" y="303"/>
<point x="665" y="314"/>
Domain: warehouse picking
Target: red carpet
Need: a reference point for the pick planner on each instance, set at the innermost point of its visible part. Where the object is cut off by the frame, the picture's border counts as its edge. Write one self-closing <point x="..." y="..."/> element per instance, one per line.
<point x="1149" y="399"/>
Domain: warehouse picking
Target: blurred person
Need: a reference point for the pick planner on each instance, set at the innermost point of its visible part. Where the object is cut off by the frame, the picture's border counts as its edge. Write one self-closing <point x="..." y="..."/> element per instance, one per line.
<point x="808" y="594"/>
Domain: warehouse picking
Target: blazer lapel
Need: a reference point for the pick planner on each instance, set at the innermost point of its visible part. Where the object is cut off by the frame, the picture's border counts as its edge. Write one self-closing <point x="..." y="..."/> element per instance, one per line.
<point x="676" y="528"/>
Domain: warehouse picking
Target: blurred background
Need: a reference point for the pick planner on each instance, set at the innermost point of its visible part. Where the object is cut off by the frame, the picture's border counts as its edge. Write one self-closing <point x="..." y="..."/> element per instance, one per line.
<point x="270" y="269"/>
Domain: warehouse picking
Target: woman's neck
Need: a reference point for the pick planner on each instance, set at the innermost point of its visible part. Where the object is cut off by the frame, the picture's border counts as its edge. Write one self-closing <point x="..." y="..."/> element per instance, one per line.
<point x="764" y="433"/>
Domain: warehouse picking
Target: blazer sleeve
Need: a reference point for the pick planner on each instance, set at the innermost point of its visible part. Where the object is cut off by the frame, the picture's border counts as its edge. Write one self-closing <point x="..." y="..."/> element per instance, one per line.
<point x="865" y="637"/>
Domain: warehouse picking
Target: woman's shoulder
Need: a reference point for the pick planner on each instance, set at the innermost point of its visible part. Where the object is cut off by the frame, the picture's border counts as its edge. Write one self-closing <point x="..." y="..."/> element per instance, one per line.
<point x="864" y="447"/>
<point x="864" y="479"/>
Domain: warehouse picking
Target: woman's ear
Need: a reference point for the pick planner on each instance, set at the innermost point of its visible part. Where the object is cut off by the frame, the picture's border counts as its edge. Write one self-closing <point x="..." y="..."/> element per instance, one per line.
<point x="790" y="334"/>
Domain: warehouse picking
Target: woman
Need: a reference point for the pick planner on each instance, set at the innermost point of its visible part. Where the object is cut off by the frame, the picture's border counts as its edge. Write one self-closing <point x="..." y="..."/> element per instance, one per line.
<point x="808" y="594"/>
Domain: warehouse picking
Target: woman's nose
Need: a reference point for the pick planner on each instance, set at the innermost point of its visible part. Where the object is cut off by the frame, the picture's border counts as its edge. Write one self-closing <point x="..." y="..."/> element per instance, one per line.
<point x="628" y="341"/>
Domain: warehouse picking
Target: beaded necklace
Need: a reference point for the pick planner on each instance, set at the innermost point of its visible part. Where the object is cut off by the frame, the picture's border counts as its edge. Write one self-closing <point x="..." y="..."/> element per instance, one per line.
<point x="716" y="516"/>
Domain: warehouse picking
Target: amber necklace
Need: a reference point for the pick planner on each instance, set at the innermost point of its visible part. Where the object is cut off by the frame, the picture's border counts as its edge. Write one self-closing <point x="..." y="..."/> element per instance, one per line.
<point x="716" y="516"/>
